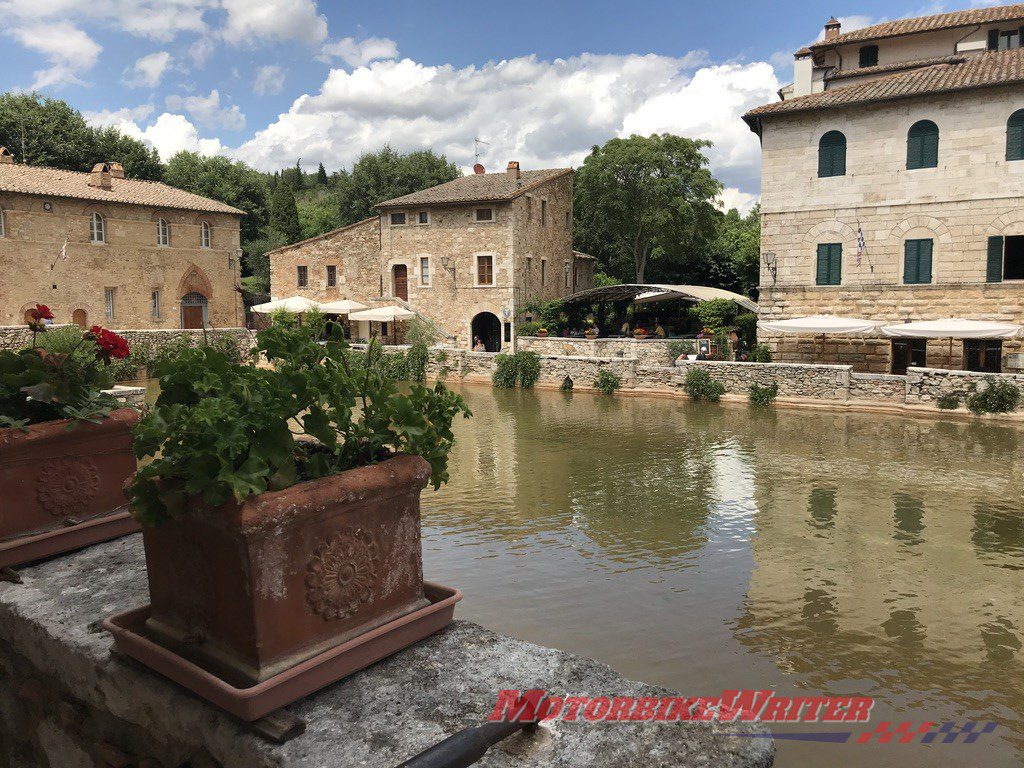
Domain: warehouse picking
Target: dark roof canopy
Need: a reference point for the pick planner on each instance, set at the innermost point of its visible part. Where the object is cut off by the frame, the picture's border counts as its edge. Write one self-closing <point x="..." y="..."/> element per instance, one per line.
<point x="657" y="292"/>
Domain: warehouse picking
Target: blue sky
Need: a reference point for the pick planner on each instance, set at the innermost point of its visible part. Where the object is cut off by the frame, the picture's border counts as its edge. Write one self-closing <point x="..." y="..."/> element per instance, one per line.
<point x="269" y="81"/>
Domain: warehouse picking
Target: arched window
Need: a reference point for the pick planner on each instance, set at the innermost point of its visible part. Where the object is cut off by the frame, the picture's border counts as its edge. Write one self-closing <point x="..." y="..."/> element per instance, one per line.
<point x="1015" y="136"/>
<point x="163" y="232"/>
<point x="97" y="228"/>
<point x="832" y="155"/>
<point x="923" y="145"/>
<point x="204" y="235"/>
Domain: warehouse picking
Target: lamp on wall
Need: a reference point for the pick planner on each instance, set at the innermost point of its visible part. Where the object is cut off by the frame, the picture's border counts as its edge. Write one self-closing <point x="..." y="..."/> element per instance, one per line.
<point x="772" y="263"/>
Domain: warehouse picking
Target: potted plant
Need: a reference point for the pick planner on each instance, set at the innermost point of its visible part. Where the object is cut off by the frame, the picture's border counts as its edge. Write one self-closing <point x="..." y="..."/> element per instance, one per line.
<point x="542" y="333"/>
<point x="280" y="510"/>
<point x="639" y="334"/>
<point x="65" y="446"/>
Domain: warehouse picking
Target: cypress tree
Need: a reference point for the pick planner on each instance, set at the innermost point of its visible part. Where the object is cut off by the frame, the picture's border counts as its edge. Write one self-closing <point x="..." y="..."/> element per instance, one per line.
<point x="321" y="175"/>
<point x="284" y="215"/>
<point x="297" y="181"/>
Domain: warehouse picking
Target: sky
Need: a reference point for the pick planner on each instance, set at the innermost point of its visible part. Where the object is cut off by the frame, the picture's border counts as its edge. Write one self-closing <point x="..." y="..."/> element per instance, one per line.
<point x="271" y="82"/>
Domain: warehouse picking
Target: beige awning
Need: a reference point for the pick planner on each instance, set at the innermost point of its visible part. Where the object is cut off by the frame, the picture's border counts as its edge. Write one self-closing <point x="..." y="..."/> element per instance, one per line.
<point x="820" y="324"/>
<point x="342" y="307"/>
<point x="953" y="328"/>
<point x="387" y="314"/>
<point x="291" y="304"/>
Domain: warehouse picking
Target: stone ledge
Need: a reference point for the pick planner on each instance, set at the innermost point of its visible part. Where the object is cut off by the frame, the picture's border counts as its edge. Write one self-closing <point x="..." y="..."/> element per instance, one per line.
<point x="51" y="650"/>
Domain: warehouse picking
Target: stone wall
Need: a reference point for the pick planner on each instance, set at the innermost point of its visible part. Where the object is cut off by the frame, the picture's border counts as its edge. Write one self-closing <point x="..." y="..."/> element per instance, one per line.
<point x="652" y="352"/>
<point x="130" y="262"/>
<point x="18" y="336"/>
<point x="926" y="385"/>
<point x="823" y="382"/>
<point x="878" y="387"/>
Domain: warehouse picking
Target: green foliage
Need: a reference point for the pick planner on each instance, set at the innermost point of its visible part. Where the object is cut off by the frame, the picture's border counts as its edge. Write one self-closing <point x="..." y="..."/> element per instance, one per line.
<point x="528" y="364"/>
<point x="763" y="396"/>
<point x="54" y="134"/>
<point x="256" y="261"/>
<point x="716" y="314"/>
<point x="746" y="328"/>
<point x="228" y="181"/>
<point x="679" y="347"/>
<point x="419" y="331"/>
<point x="601" y="280"/>
<point x="761" y="354"/>
<point x="950" y="401"/>
<point x="321" y="174"/>
<point x="737" y="250"/>
<point x="567" y="385"/>
<point x="416" y="359"/>
<point x="700" y="386"/>
<point x="284" y="215"/>
<point x="646" y="201"/>
<point x="222" y="430"/>
<point x="996" y="397"/>
<point x="607" y="382"/>
<point x="551" y="314"/>
<point x="506" y="372"/>
<point x="387" y="174"/>
<point x="318" y="211"/>
<point x="530" y="328"/>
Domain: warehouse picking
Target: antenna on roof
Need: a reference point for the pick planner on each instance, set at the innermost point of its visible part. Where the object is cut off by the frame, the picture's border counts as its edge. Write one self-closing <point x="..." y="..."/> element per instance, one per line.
<point x="476" y="148"/>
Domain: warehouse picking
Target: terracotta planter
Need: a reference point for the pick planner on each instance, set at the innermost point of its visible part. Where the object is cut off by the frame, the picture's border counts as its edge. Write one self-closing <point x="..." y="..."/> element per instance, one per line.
<point x="61" y="489"/>
<point x="590" y="336"/>
<point x="639" y="336"/>
<point x="542" y="334"/>
<point x="248" y="591"/>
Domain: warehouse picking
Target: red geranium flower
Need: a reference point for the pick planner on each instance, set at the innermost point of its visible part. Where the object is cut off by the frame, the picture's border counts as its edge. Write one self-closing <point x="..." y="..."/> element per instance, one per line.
<point x="109" y="344"/>
<point x="42" y="312"/>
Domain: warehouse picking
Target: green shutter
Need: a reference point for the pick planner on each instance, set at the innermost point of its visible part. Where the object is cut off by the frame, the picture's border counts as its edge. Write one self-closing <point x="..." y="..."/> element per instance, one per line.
<point x="910" y="261"/>
<point x="832" y="155"/>
<point x="994" y="268"/>
<point x="835" y="267"/>
<point x="1015" y="136"/>
<point x="824" y="160"/>
<point x="822" y="272"/>
<point x="924" y="261"/>
<point x="993" y="39"/>
<point x="914" y="151"/>
<point x="923" y="145"/>
<point x="930" y="148"/>
<point x="917" y="261"/>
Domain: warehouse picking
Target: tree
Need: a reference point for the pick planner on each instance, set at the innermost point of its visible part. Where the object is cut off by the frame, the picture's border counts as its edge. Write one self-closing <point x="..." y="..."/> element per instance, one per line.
<point x="646" y="202"/>
<point x="387" y="174"/>
<point x="256" y="263"/>
<point x="297" y="175"/>
<point x="284" y="214"/>
<point x="739" y="245"/>
<point x="321" y="175"/>
<point x="228" y="181"/>
<point x="139" y="161"/>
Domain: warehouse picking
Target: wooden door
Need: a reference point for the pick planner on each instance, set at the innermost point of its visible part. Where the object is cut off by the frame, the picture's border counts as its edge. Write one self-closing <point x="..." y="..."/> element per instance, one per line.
<point x="401" y="282"/>
<point x="191" y="317"/>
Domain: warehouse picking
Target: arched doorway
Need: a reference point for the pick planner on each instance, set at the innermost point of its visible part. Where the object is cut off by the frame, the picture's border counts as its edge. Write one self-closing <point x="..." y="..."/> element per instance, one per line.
<point x="79" y="318"/>
<point x="487" y="327"/>
<point x="400" y="281"/>
<point x="193" y="310"/>
<point x="28" y="316"/>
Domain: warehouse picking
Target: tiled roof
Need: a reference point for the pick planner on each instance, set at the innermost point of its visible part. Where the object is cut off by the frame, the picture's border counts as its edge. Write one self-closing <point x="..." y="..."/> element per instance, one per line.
<point x="53" y="182"/>
<point x="900" y="66"/>
<point x="582" y="255"/>
<point x="984" y="70"/>
<point x="478" y="188"/>
<point x="927" y="24"/>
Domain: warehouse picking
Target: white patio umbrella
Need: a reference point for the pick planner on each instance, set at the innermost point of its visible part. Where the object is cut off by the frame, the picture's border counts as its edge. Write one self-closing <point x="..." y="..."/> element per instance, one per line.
<point x="291" y="304"/>
<point x="820" y="324"/>
<point x="953" y="328"/>
<point x="388" y="314"/>
<point x="342" y="307"/>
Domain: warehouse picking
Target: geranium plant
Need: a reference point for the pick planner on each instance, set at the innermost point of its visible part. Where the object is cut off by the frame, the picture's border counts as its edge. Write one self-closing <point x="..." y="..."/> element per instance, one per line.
<point x="47" y="382"/>
<point x="223" y="430"/>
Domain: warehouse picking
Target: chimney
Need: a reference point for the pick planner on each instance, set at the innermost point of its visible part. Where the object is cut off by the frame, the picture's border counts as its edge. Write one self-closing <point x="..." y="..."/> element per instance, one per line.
<point x="116" y="170"/>
<point x="6" y="157"/>
<point x="513" y="169"/>
<point x="100" y="176"/>
<point x="832" y="28"/>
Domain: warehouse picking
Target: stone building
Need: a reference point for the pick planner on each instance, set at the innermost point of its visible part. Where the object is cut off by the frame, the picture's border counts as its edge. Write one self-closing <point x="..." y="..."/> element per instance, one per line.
<point x="470" y="255"/>
<point x="893" y="187"/>
<point x="100" y="249"/>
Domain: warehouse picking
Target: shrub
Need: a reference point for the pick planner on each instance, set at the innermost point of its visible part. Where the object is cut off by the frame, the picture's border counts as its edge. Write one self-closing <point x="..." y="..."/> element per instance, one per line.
<point x="416" y="362"/>
<point x="419" y="331"/>
<point x="506" y="372"/>
<point x="171" y="350"/>
<point x="529" y="329"/>
<point x="700" y="386"/>
<point x="679" y="347"/>
<point x="715" y="314"/>
<point x="950" y="401"/>
<point x="607" y="382"/>
<point x="746" y="328"/>
<point x="761" y="354"/>
<point x="567" y="385"/>
<point x="763" y="396"/>
<point x="998" y="397"/>
<point x="528" y="365"/>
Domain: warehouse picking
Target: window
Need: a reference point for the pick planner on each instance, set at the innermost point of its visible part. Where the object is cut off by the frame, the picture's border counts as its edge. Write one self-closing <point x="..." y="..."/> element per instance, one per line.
<point x="3" y="231"/>
<point x="830" y="264"/>
<point x="485" y="270"/>
<point x="1015" y="136"/>
<point x="1005" y="258"/>
<point x="984" y="355"/>
<point x="424" y="270"/>
<point x="909" y="353"/>
<point x="568" y="271"/>
<point x="302" y="276"/>
<point x="163" y="232"/>
<point x="869" y="55"/>
<point x="543" y="271"/>
<point x="97" y="228"/>
<point x="205" y="235"/>
<point x="108" y="302"/>
<point x="922" y="145"/>
<point x="484" y="214"/>
<point x="1004" y="39"/>
<point x="832" y="155"/>
<point x="568" y="220"/>
<point x="154" y="304"/>
<point x="917" y="261"/>
<point x="543" y="213"/>
<point x="397" y="218"/>
<point x="383" y="329"/>
<point x="332" y="275"/>
<point x="424" y="217"/>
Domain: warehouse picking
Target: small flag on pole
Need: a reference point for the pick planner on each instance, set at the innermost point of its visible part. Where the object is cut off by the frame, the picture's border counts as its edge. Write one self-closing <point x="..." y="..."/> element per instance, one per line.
<point x="860" y="243"/>
<point x="64" y="250"/>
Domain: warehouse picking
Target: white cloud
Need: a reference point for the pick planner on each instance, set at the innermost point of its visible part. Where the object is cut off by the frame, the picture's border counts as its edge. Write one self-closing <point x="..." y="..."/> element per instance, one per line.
<point x="252" y="20"/>
<point x="69" y="51"/>
<point x="542" y="113"/>
<point x="170" y="134"/>
<point x="358" y="53"/>
<point x="156" y="19"/>
<point x="104" y="118"/>
<point x="738" y="199"/>
<point x="269" y="80"/>
<point x="208" y="112"/>
<point x="201" y="50"/>
<point x="147" y="71"/>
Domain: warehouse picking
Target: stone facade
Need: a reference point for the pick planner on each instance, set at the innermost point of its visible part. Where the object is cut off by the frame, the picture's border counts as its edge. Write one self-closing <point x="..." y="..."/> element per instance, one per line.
<point x="130" y="263"/>
<point x="528" y="238"/>
<point x="18" y="336"/>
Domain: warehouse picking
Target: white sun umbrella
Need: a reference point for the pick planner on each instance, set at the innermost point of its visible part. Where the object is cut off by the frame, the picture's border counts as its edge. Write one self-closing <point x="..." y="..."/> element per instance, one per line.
<point x="291" y="304"/>
<point x="342" y="307"/>
<point x="820" y="324"/>
<point x="953" y="328"/>
<point x="387" y="314"/>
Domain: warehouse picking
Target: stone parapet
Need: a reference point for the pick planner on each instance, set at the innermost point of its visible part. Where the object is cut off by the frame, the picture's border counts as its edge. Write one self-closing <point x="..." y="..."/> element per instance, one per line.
<point x="18" y="336"/>
<point x="66" y="701"/>
<point x="927" y="385"/>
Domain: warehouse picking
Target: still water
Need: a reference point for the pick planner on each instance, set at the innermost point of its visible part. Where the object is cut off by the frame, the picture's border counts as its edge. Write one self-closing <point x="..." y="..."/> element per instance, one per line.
<point x="711" y="547"/>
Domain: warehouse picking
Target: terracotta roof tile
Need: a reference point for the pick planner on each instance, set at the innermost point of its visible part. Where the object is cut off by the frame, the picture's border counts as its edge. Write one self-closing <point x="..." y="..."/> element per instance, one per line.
<point x="478" y="188"/>
<point x="900" y="66"/>
<point x="927" y="24"/>
<point x="984" y="70"/>
<point x="54" y="182"/>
